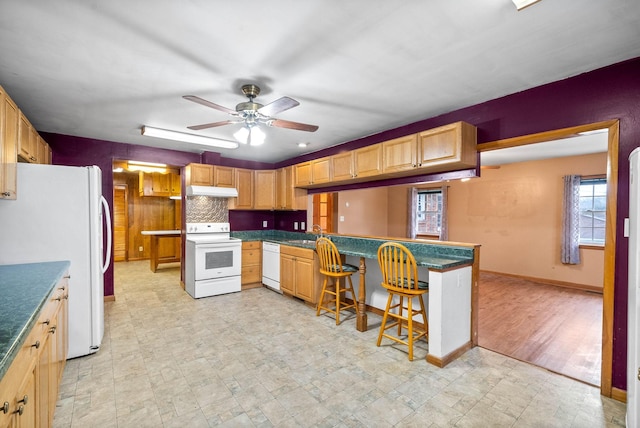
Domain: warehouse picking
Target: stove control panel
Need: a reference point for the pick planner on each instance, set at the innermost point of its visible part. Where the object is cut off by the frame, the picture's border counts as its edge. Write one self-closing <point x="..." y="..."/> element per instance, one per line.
<point x="207" y="227"/>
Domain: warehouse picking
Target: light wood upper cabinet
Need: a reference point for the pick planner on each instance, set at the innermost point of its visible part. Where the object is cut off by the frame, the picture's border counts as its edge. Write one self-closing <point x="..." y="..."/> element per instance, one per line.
<point x="27" y="148"/>
<point x="244" y="184"/>
<point x="367" y="161"/>
<point x="342" y="165"/>
<point x="176" y="185"/>
<point x="265" y="189"/>
<point x="197" y="174"/>
<point x="289" y="197"/>
<point x="224" y="176"/>
<point x="453" y="144"/>
<point x="158" y="184"/>
<point x="314" y="172"/>
<point x="400" y="154"/>
<point x="8" y="146"/>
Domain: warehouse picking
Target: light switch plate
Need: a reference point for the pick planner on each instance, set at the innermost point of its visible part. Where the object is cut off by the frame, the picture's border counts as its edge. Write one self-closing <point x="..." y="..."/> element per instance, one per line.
<point x="264" y="223"/>
<point x="341" y="218"/>
<point x="295" y="225"/>
<point x="302" y="225"/>
<point x="626" y="227"/>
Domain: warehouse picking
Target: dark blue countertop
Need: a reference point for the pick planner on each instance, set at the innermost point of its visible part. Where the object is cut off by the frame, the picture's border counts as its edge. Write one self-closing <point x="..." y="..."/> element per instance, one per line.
<point x="429" y="254"/>
<point x="24" y="291"/>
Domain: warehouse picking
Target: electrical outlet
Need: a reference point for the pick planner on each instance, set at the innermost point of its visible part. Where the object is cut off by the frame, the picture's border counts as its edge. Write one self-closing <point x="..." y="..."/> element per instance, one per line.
<point x="341" y="218"/>
<point x="264" y="223"/>
<point x="141" y="248"/>
<point x="302" y="225"/>
<point x="295" y="225"/>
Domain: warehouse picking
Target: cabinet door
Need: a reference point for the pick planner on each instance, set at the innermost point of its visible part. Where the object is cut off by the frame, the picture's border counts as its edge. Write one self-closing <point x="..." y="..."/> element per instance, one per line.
<point x="400" y="154"/>
<point x="342" y="165"/>
<point x="244" y="184"/>
<point x="8" y="146"/>
<point x="454" y="143"/>
<point x="223" y="176"/>
<point x="265" y="189"/>
<point x="26" y="401"/>
<point x="302" y="174"/>
<point x="25" y="149"/>
<point x="199" y="174"/>
<point x="160" y="184"/>
<point x="43" y="150"/>
<point x="287" y="269"/>
<point x="321" y="170"/>
<point x="304" y="276"/>
<point x="176" y="185"/>
<point x="367" y="161"/>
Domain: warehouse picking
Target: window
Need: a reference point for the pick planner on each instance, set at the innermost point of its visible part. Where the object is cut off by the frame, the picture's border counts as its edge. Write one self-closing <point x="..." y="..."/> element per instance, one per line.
<point x="593" y="204"/>
<point x="429" y="212"/>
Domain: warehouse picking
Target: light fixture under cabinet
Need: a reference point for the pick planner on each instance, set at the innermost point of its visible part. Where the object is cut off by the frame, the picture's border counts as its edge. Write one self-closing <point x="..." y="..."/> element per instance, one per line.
<point x="166" y="134"/>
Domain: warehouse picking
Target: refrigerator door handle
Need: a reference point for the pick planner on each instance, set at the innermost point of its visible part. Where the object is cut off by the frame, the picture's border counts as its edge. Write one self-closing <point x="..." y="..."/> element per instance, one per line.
<point x="107" y="218"/>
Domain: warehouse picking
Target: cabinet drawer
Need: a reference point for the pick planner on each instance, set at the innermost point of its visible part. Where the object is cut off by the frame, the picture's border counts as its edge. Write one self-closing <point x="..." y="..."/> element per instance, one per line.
<point x="251" y="274"/>
<point x="251" y="245"/>
<point x="297" y="252"/>
<point x="251" y="257"/>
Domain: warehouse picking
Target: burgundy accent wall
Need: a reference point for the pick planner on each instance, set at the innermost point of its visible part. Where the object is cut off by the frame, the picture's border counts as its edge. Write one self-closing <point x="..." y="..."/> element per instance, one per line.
<point x="605" y="94"/>
<point x="278" y="220"/>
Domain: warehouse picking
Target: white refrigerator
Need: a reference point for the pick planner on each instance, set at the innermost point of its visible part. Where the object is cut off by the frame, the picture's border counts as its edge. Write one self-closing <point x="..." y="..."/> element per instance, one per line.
<point x="633" y="316"/>
<point x="58" y="215"/>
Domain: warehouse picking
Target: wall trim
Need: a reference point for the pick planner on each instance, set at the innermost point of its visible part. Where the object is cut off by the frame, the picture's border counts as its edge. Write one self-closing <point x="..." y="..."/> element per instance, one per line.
<point x="564" y="284"/>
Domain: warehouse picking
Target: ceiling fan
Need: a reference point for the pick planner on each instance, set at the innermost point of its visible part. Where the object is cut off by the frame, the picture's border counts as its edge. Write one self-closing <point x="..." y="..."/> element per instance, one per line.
<point x="252" y="114"/>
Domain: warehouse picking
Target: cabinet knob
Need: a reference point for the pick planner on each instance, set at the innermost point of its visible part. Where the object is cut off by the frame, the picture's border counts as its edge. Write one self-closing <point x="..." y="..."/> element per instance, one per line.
<point x="36" y="345"/>
<point x="6" y="194"/>
<point x="20" y="410"/>
<point x="65" y="297"/>
<point x="5" y="407"/>
<point x="62" y="288"/>
<point x="46" y="322"/>
<point x="57" y="299"/>
<point x="52" y="330"/>
<point x="24" y="400"/>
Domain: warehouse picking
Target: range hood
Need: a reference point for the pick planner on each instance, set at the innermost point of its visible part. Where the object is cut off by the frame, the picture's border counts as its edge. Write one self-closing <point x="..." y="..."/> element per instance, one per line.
<point x="216" y="192"/>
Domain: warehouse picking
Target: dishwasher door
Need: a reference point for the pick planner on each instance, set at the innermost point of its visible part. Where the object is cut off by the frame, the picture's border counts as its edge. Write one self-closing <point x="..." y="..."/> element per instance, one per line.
<point x="271" y="265"/>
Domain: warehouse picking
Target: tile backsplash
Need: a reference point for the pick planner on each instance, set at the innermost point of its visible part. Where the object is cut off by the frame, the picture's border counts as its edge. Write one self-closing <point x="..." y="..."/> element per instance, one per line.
<point x="207" y="209"/>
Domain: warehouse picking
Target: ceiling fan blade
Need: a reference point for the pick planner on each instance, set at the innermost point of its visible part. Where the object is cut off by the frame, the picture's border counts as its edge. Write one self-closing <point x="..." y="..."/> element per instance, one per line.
<point x="209" y="104"/>
<point x="277" y="106"/>
<point x="292" y="125"/>
<point x="212" y="125"/>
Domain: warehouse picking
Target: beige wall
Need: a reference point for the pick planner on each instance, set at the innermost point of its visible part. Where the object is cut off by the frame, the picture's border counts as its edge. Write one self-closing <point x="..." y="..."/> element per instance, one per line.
<point x="514" y="212"/>
<point x="363" y="212"/>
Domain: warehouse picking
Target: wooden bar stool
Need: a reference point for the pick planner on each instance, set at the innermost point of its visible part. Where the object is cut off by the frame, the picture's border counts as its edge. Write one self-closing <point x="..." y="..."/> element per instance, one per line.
<point x="400" y="278"/>
<point x="331" y="266"/>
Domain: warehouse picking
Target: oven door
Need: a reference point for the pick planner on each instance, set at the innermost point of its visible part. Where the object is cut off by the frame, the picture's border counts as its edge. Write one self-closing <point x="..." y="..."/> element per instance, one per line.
<point x="217" y="260"/>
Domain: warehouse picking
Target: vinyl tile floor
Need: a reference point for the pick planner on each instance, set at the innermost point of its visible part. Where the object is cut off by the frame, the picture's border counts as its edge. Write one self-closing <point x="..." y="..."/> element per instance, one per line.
<point x="259" y="359"/>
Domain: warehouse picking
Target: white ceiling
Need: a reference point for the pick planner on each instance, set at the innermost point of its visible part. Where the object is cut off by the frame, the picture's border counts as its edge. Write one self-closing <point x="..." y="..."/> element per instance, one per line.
<point x="103" y="69"/>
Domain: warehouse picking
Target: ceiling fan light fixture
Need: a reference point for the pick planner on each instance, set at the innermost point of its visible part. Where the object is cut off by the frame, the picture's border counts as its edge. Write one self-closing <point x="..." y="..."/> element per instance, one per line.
<point x="166" y="134"/>
<point x="521" y="4"/>
<point x="250" y="134"/>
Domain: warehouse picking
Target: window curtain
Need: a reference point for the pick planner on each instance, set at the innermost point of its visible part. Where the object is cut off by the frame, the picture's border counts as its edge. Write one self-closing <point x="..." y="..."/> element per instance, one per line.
<point x="444" y="222"/>
<point x="570" y="251"/>
<point x="412" y="196"/>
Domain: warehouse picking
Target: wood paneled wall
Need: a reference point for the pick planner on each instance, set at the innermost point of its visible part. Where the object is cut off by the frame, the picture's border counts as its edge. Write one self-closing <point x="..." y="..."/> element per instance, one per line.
<point x="147" y="213"/>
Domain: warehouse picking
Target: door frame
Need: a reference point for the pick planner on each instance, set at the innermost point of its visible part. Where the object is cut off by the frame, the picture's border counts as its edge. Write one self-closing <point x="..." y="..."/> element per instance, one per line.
<point x="126" y="217"/>
<point x="612" y="126"/>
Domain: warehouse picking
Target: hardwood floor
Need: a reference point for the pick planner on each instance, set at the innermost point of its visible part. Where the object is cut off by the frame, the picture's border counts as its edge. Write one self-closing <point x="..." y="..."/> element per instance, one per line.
<point x="557" y="328"/>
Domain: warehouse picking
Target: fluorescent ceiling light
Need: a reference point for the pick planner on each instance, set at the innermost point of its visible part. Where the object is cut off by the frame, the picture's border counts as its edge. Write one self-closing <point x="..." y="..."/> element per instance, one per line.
<point x="521" y="4"/>
<point x="187" y="138"/>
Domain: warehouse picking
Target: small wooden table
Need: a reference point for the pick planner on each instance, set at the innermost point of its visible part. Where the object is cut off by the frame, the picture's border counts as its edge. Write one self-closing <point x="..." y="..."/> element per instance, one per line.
<point x="155" y="236"/>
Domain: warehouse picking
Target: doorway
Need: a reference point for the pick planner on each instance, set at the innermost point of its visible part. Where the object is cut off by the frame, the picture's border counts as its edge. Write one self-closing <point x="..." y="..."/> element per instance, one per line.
<point x="612" y="128"/>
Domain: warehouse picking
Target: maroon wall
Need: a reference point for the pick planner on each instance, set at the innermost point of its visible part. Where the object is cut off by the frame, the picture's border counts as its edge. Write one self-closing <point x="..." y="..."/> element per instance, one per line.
<point x="609" y="93"/>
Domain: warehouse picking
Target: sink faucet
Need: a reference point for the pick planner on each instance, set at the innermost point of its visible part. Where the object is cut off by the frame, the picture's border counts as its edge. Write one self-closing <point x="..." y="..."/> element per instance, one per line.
<point x="317" y="227"/>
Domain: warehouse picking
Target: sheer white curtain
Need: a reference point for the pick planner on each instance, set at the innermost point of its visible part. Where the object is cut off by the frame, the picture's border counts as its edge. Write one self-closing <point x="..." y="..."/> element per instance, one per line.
<point x="412" y="197"/>
<point x="444" y="222"/>
<point x="570" y="251"/>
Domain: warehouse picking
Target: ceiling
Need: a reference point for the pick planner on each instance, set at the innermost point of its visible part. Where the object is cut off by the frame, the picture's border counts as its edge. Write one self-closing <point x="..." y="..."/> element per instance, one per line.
<point x="102" y="70"/>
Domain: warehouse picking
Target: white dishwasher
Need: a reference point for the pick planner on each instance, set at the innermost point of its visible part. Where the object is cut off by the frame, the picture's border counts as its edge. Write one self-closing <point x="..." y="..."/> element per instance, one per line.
<point x="271" y="265"/>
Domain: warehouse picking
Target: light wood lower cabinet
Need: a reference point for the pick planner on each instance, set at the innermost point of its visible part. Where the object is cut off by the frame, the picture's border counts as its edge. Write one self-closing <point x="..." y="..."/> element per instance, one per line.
<point x="251" y="264"/>
<point x="29" y="388"/>
<point x="299" y="274"/>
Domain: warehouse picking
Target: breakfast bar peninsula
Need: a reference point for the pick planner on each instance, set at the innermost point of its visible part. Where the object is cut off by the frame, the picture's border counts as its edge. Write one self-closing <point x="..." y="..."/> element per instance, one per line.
<point x="451" y="269"/>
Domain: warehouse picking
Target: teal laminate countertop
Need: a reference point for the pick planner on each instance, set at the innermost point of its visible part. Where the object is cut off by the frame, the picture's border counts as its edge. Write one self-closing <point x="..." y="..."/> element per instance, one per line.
<point x="24" y="290"/>
<point x="429" y="254"/>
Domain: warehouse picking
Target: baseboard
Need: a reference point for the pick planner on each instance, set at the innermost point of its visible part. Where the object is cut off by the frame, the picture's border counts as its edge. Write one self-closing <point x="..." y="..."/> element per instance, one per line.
<point x="441" y="362"/>
<point x="251" y="285"/>
<point x="619" y="394"/>
<point x="583" y="287"/>
<point x="111" y="298"/>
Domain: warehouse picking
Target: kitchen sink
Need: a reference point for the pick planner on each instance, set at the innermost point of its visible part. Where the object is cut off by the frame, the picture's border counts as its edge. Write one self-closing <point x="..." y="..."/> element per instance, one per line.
<point x="302" y="241"/>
